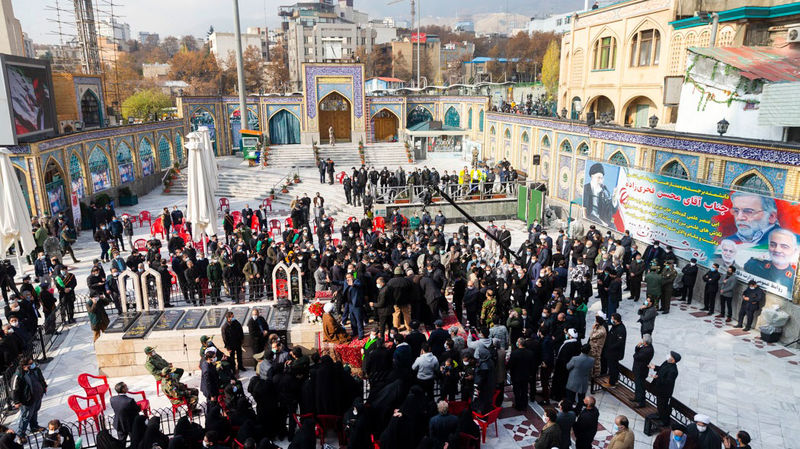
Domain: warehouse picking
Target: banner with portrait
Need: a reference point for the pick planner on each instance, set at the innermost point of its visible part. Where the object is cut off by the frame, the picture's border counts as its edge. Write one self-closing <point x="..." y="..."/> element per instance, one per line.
<point x="758" y="235"/>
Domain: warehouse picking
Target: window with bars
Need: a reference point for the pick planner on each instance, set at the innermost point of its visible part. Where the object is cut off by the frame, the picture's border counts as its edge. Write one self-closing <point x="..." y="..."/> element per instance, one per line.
<point x="605" y="54"/>
<point x="525" y="138"/>
<point x="753" y="183"/>
<point x="583" y="149"/>
<point x="566" y="147"/>
<point x="675" y="169"/>
<point x="618" y="159"/>
<point x="545" y="142"/>
<point x="645" y="48"/>
<point x="164" y="155"/>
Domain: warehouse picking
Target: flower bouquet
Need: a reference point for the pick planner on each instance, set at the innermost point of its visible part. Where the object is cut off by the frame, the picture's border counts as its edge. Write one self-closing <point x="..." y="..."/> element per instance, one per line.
<point x="315" y="312"/>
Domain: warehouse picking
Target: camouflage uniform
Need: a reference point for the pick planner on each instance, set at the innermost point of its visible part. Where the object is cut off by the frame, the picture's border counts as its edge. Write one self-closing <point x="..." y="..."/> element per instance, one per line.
<point x="177" y="392"/>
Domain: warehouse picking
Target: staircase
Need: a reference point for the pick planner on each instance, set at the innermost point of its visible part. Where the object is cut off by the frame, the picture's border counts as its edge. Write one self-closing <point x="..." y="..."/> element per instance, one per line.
<point x="236" y="180"/>
<point x="344" y="155"/>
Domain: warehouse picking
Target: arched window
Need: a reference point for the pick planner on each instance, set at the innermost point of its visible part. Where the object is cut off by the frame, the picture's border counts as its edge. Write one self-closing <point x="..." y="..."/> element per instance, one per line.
<point x="583" y="149"/>
<point x="90" y="110"/>
<point x="98" y="169"/>
<point x="451" y="118"/>
<point x="492" y="131"/>
<point x="480" y="121"/>
<point x="164" y="155"/>
<point x="469" y="119"/>
<point x="525" y="138"/>
<point x="605" y="54"/>
<point x="179" y="147"/>
<point x="546" y="142"/>
<point x="507" y="134"/>
<point x="618" y="159"/>
<point x="125" y="163"/>
<point x="146" y="157"/>
<point x="645" y="48"/>
<point x="753" y="183"/>
<point x="76" y="175"/>
<point x="675" y="169"/>
<point x="566" y="147"/>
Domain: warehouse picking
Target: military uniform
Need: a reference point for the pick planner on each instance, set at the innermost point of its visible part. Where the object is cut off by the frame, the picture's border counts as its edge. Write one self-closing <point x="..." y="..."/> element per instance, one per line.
<point x="765" y="269"/>
<point x="155" y="364"/>
<point x="668" y="275"/>
<point x="177" y="392"/>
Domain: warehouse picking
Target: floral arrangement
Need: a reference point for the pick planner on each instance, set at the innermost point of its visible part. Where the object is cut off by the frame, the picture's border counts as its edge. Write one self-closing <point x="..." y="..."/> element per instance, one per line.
<point x="315" y="312"/>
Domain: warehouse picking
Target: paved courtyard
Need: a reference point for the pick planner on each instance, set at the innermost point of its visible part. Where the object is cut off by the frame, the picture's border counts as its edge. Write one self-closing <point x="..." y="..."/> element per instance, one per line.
<point x="728" y="374"/>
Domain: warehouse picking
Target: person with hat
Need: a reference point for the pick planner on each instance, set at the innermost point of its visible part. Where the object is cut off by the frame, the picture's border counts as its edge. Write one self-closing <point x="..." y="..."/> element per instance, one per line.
<point x="664" y="384"/>
<point x="675" y="437"/>
<point x="700" y="431"/>
<point x="642" y="356"/>
<point x="598" y="202"/>
<point x="176" y="391"/>
<point x="155" y="364"/>
<point x="711" y="279"/>
<point x="654" y="283"/>
<point x="752" y="300"/>
<point x="332" y="330"/>
<point x="205" y="343"/>
<point x="668" y="275"/>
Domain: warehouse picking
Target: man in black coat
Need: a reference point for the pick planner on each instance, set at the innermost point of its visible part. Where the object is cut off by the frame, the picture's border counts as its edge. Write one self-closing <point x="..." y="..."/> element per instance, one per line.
<point x="259" y="331"/>
<point x="521" y="365"/>
<point x="711" y="278"/>
<point x="642" y="356"/>
<point x="615" y="347"/>
<point x="125" y="411"/>
<point x="232" y="337"/>
<point x="209" y="377"/>
<point x="664" y="385"/>
<point x="585" y="426"/>
<point x="689" y="278"/>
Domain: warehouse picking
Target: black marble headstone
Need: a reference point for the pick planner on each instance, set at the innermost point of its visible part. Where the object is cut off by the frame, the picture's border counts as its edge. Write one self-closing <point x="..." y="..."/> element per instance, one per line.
<point x="191" y="319"/>
<point x="142" y="325"/>
<point x="280" y="319"/>
<point x="213" y="318"/>
<point x="168" y="320"/>
<point x="122" y="322"/>
<point x="297" y="314"/>
<point x="240" y="314"/>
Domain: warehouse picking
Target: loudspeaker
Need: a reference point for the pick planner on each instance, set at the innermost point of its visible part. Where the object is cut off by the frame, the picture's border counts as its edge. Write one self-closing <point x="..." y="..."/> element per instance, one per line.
<point x="537" y="159"/>
<point x="590" y="118"/>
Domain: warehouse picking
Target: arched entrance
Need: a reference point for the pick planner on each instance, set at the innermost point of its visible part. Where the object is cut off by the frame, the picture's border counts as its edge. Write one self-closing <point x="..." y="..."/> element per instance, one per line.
<point x="638" y="112"/>
<point x="235" y="121"/>
<point x="284" y="128"/>
<point x="90" y="110"/>
<point x="418" y="115"/>
<point x="384" y="126"/>
<point x="54" y="186"/>
<point x="451" y="118"/>
<point x="603" y="109"/>
<point x="334" y="111"/>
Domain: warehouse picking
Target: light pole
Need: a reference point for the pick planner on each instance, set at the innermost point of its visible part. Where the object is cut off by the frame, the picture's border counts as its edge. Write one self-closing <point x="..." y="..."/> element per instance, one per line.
<point x="419" y="38"/>
<point x="243" y="115"/>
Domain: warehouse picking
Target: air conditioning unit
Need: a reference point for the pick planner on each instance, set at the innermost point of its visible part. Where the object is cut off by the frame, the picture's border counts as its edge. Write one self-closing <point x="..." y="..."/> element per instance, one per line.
<point x="793" y="34"/>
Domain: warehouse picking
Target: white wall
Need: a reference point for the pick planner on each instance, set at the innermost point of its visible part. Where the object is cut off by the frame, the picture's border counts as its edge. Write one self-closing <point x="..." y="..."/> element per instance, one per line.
<point x="698" y="115"/>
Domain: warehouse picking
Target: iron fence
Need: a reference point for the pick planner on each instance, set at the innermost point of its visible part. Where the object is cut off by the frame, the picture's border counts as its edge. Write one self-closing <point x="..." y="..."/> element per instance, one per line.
<point x="479" y="190"/>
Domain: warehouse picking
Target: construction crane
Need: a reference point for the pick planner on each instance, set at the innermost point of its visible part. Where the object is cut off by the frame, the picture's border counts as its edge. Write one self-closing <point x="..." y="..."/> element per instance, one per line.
<point x="419" y="19"/>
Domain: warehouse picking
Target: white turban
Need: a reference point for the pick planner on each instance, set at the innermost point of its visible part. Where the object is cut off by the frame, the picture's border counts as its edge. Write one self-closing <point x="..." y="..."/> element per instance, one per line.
<point x="702" y="418"/>
<point x="573" y="333"/>
<point x="328" y="307"/>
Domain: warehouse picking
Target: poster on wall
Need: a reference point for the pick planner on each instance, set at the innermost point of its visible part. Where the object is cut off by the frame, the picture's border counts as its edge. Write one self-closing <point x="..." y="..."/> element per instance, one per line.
<point x="100" y="181"/>
<point x="126" y="173"/>
<point x="76" y="208"/>
<point x="148" y="166"/>
<point x="56" y="197"/>
<point x="28" y="88"/>
<point x="756" y="234"/>
<point x="77" y="187"/>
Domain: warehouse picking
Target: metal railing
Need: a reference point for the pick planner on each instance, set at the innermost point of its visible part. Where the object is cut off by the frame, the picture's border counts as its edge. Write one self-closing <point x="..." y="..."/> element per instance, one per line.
<point x="479" y="190"/>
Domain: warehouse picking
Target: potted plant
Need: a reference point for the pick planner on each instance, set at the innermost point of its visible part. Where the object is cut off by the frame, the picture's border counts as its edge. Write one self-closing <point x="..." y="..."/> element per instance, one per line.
<point x="176" y="168"/>
<point x="127" y="198"/>
<point x="296" y="178"/>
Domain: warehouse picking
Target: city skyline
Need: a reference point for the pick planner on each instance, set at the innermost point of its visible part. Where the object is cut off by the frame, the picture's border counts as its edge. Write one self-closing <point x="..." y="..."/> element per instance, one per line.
<point x="205" y="13"/>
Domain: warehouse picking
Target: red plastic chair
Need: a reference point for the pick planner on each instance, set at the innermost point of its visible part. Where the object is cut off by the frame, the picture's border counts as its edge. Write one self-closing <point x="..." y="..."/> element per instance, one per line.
<point x="352" y="219"/>
<point x="144" y="216"/>
<point x="288" y="222"/>
<point x="456" y="407"/>
<point x="224" y="204"/>
<point x="158" y="228"/>
<point x="140" y="245"/>
<point x="267" y="203"/>
<point x="281" y="286"/>
<point x="84" y="413"/>
<point x="340" y="177"/>
<point x="274" y="224"/>
<point x="467" y="441"/>
<point x="158" y="388"/>
<point x="327" y="422"/>
<point x="174" y="288"/>
<point x="237" y="218"/>
<point x="379" y="223"/>
<point x="176" y="407"/>
<point x="97" y="390"/>
<point x="144" y="404"/>
<point x="485" y="420"/>
<point x="375" y="444"/>
<point x="336" y="242"/>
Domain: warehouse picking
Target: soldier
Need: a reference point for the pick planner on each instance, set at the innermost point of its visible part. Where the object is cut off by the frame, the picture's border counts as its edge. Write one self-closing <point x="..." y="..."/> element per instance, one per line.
<point x="176" y="391"/>
<point x="214" y="273"/>
<point x="155" y="364"/>
<point x="668" y="275"/>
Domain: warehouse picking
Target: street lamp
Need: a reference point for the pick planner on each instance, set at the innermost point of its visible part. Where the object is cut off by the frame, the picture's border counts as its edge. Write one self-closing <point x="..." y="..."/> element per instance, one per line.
<point x="722" y="127"/>
<point x="653" y="121"/>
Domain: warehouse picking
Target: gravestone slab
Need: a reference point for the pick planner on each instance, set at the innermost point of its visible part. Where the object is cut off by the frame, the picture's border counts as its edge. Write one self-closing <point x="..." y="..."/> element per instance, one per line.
<point x="297" y="314"/>
<point x="122" y="322"/>
<point x="191" y="319"/>
<point x="168" y="320"/>
<point x="240" y="314"/>
<point x="213" y="318"/>
<point x="142" y="325"/>
<point x="280" y="319"/>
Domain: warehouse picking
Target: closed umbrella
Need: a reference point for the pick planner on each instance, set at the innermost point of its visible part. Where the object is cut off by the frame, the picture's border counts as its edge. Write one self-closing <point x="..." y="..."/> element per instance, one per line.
<point x="208" y="154"/>
<point x="15" y="220"/>
<point x="200" y="208"/>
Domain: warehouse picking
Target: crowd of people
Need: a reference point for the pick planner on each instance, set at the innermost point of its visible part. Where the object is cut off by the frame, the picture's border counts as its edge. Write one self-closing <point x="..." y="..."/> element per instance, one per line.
<point x="520" y="318"/>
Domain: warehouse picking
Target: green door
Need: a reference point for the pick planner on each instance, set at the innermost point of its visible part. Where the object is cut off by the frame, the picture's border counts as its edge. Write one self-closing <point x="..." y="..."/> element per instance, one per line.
<point x="641" y="116"/>
<point x="529" y="204"/>
<point x="522" y="201"/>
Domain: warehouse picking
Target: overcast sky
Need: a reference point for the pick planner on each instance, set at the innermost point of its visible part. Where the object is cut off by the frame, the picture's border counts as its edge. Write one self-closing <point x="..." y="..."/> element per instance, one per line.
<point x="181" y="17"/>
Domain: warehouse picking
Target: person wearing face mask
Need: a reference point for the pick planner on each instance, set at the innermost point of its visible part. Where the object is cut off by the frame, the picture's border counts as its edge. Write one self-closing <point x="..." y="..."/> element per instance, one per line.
<point x="103" y="236"/>
<point x="664" y="384"/>
<point x="711" y="279"/>
<point x="29" y="388"/>
<point x="66" y="283"/>
<point x="689" y="279"/>
<point x="111" y="287"/>
<point x="232" y="337"/>
<point x="209" y="377"/>
<point x="551" y="433"/>
<point x="259" y="331"/>
<point x="58" y="436"/>
<point x="98" y="318"/>
<point x="742" y="441"/>
<point x="585" y="426"/>
<point x="700" y="431"/>
<point x="623" y="437"/>
<point x="675" y="437"/>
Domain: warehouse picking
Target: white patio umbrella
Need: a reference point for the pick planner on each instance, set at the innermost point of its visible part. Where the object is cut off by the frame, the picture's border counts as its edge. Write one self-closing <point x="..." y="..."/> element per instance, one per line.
<point x="15" y="221"/>
<point x="208" y="153"/>
<point x="200" y="209"/>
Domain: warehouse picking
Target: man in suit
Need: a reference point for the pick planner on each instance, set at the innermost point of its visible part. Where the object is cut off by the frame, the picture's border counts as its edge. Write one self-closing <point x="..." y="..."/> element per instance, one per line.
<point x="259" y="331"/>
<point x="585" y="426"/>
<point x="664" y="385"/>
<point x="232" y="337"/>
<point x="711" y="278"/>
<point x="521" y="365"/>
<point x="642" y="356"/>
<point x="125" y="411"/>
<point x="580" y="371"/>
<point x="689" y="278"/>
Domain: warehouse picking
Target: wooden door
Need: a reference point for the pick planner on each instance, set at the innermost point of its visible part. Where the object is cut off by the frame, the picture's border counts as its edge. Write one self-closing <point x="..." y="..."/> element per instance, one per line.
<point x="385" y="127"/>
<point x="334" y="111"/>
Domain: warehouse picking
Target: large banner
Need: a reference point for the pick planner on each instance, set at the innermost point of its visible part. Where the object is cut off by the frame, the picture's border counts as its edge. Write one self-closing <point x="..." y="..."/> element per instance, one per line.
<point x="756" y="234"/>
